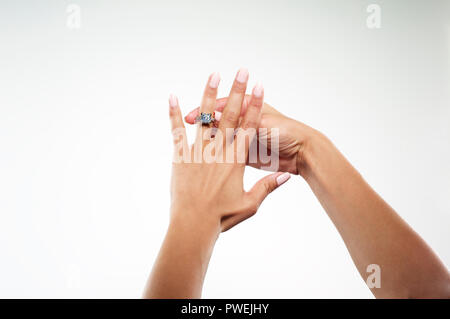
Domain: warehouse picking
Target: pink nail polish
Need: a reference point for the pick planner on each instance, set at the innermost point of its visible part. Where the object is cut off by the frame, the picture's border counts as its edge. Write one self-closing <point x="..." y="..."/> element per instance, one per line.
<point x="214" y="80"/>
<point x="242" y="75"/>
<point x="283" y="178"/>
<point x="258" y="90"/>
<point x="173" y="101"/>
<point x="217" y="115"/>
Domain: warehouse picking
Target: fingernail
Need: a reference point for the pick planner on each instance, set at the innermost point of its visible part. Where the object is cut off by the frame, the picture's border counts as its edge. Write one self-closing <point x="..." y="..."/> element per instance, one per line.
<point x="258" y="90"/>
<point x="217" y="115"/>
<point x="214" y="81"/>
<point x="173" y="101"/>
<point x="242" y="75"/>
<point x="283" y="178"/>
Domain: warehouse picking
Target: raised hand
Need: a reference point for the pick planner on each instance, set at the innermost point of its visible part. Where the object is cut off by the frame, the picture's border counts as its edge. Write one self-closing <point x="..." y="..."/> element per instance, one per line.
<point x="207" y="193"/>
<point x="217" y="183"/>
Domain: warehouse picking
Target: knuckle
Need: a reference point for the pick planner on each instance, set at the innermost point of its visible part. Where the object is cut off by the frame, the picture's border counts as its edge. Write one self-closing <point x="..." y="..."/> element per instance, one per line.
<point x="251" y="205"/>
<point x="230" y="115"/>
<point x="249" y="124"/>
<point x="252" y="208"/>
<point x="256" y="103"/>
<point x="239" y="87"/>
<point x="211" y="93"/>
<point x="209" y="96"/>
<point x="172" y="112"/>
<point x="268" y="187"/>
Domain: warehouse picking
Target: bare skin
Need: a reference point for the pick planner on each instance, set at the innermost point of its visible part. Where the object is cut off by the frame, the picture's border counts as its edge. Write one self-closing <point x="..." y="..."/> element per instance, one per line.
<point x="372" y="231"/>
<point x="207" y="198"/>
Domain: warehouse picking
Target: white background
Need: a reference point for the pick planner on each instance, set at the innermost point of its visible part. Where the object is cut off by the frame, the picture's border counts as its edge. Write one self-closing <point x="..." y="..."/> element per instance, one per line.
<point x="85" y="146"/>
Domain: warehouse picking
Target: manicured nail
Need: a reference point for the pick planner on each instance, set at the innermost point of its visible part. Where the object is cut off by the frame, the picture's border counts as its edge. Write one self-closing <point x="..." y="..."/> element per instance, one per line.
<point x="173" y="101"/>
<point x="283" y="178"/>
<point x="258" y="90"/>
<point x="217" y="115"/>
<point x="214" y="80"/>
<point x="242" y="75"/>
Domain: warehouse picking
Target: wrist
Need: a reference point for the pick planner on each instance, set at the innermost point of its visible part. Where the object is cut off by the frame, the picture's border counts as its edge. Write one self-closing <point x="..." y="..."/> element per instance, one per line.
<point x="320" y="162"/>
<point x="313" y="145"/>
<point x="190" y="222"/>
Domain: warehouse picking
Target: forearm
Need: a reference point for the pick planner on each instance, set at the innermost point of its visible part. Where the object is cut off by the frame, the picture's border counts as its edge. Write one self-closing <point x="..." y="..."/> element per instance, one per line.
<point x="182" y="262"/>
<point x="370" y="228"/>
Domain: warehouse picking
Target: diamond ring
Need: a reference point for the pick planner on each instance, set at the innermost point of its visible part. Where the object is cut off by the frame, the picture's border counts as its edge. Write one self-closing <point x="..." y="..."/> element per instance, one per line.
<point x="205" y="118"/>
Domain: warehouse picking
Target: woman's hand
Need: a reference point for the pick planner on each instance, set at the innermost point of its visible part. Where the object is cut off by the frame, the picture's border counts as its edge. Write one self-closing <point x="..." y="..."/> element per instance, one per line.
<point x="207" y="190"/>
<point x="216" y="183"/>
<point x="293" y="135"/>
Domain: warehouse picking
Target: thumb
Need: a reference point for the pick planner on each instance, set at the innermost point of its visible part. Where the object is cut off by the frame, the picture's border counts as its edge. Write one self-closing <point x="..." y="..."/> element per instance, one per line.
<point x="258" y="193"/>
<point x="267" y="185"/>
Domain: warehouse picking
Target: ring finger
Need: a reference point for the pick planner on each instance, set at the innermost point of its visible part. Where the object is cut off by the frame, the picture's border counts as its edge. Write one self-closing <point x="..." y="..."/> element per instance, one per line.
<point x="208" y="103"/>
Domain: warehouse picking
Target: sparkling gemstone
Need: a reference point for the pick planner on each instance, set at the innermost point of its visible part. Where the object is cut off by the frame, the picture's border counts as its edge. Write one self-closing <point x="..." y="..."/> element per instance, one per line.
<point x="205" y="118"/>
